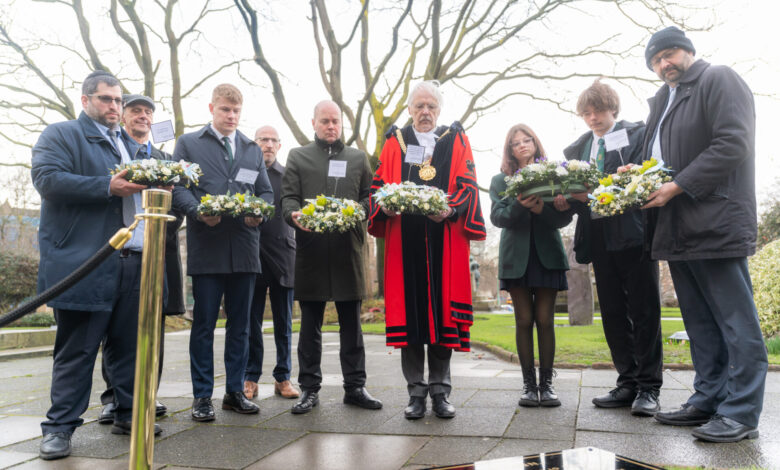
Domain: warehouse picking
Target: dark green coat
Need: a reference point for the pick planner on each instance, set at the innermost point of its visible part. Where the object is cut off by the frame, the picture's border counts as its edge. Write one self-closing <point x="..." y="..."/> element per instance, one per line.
<point x="328" y="266"/>
<point x="515" y="220"/>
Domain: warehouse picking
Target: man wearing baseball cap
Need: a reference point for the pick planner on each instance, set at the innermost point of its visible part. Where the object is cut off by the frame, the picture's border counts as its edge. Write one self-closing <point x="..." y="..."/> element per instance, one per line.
<point x="702" y="125"/>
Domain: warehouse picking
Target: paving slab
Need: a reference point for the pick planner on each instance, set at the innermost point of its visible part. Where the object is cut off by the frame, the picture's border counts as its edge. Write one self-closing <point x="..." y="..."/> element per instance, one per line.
<point x="668" y="450"/>
<point x="448" y="450"/>
<point x="18" y="428"/>
<point x="79" y="463"/>
<point x="517" y="447"/>
<point x="486" y="422"/>
<point x="221" y="446"/>
<point x="8" y="458"/>
<point x="341" y="451"/>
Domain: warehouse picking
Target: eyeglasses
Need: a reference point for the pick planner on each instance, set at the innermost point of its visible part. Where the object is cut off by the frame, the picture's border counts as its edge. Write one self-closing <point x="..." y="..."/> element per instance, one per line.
<point x="518" y="143"/>
<point x="267" y="139"/>
<point x="665" y="56"/>
<point x="108" y="99"/>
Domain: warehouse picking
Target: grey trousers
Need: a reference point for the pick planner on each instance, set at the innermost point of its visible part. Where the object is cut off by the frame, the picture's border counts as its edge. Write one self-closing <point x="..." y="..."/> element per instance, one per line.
<point x="727" y="348"/>
<point x="413" y="366"/>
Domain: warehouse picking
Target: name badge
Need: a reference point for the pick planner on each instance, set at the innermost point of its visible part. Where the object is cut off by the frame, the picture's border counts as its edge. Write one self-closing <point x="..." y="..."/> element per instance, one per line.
<point x="162" y="131"/>
<point x="247" y="176"/>
<point x="616" y="140"/>
<point x="415" y="154"/>
<point x="337" y="168"/>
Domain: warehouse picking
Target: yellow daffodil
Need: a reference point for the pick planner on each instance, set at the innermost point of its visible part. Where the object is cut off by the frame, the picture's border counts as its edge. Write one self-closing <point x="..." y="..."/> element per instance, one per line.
<point x="606" y="198"/>
<point x="607" y="181"/>
<point x="240" y="197"/>
<point x="321" y="200"/>
<point x="349" y="210"/>
<point x="308" y="210"/>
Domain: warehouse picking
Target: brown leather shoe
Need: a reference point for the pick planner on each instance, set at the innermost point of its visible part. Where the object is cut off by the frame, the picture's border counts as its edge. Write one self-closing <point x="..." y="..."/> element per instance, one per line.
<point x="250" y="389"/>
<point x="285" y="389"/>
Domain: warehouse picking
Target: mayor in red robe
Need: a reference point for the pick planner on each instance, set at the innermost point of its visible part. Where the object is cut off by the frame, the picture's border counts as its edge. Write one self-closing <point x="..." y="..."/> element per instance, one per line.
<point x="427" y="282"/>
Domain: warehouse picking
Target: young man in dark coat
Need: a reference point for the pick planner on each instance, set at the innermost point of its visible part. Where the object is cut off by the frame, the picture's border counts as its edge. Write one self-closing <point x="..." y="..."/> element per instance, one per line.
<point x="82" y="206"/>
<point x="221" y="251"/>
<point x="626" y="279"/>
<point x="328" y="266"/>
<point x="702" y="125"/>
<point x="137" y="118"/>
<point x="277" y="258"/>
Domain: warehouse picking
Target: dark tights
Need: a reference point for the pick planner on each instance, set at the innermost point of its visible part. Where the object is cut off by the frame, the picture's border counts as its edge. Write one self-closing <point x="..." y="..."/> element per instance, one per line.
<point x="534" y="305"/>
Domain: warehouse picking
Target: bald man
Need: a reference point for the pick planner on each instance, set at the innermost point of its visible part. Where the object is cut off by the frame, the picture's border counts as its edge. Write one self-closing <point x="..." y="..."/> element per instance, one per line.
<point x="328" y="266"/>
<point x="277" y="259"/>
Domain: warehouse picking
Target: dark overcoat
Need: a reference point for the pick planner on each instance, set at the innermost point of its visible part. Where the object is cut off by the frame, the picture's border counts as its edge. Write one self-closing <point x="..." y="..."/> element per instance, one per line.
<point x="708" y="139"/>
<point x="277" y="252"/>
<point x="328" y="266"/>
<point x="515" y="244"/>
<point x="71" y="164"/>
<point x="231" y="246"/>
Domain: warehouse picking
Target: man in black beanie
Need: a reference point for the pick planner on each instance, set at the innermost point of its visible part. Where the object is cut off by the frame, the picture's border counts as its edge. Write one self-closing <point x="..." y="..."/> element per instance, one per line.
<point x="702" y="125"/>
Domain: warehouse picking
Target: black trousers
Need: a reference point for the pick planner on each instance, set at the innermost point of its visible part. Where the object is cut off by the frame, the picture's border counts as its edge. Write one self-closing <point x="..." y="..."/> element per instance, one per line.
<point x="108" y="394"/>
<point x="79" y="334"/>
<point x="352" y="353"/>
<point x="628" y="289"/>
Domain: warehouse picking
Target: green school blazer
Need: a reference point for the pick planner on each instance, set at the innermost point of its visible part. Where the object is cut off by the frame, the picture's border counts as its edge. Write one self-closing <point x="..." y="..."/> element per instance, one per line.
<point x="515" y="222"/>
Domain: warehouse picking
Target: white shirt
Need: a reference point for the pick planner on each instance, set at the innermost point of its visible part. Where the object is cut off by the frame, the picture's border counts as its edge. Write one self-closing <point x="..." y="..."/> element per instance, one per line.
<point x="231" y="138"/>
<point x="656" y="149"/>
<point x="427" y="140"/>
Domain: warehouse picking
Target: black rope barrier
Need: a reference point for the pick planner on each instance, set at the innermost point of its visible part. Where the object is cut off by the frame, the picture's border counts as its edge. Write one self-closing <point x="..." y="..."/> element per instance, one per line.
<point x="115" y="243"/>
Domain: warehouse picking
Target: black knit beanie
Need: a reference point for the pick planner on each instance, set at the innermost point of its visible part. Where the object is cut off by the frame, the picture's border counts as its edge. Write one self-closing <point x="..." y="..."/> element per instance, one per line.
<point x="666" y="39"/>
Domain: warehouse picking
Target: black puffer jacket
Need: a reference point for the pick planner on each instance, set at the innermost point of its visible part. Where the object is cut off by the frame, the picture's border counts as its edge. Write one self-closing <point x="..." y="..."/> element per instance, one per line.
<point x="622" y="231"/>
<point x="708" y="139"/>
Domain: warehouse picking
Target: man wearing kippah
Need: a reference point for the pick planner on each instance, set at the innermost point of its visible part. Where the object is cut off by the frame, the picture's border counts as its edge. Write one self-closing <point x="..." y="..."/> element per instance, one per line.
<point x="702" y="125"/>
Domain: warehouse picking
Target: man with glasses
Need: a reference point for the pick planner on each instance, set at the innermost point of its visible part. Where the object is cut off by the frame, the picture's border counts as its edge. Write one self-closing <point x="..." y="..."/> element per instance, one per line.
<point x="82" y="206"/>
<point x="277" y="259"/>
<point x="702" y="124"/>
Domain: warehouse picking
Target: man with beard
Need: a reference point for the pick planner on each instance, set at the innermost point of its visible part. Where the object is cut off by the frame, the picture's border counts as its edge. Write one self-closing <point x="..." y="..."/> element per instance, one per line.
<point x="277" y="259"/>
<point x="427" y="283"/>
<point x="328" y="266"/>
<point x="82" y="206"/>
<point x="702" y="125"/>
<point x="137" y="118"/>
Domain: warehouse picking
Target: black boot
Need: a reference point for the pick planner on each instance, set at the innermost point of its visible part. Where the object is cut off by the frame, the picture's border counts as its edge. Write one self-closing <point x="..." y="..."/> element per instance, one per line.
<point x="530" y="396"/>
<point x="547" y="396"/>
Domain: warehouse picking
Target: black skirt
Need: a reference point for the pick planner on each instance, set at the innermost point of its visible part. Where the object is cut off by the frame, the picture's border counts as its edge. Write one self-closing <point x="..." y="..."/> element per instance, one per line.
<point x="536" y="275"/>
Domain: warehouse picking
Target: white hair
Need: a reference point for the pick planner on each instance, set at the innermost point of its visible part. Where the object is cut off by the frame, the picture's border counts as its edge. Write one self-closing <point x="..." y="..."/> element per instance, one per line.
<point x="428" y="86"/>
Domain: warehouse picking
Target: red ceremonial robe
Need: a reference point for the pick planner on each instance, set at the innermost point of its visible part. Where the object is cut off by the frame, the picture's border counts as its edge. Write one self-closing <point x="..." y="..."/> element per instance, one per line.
<point x="427" y="278"/>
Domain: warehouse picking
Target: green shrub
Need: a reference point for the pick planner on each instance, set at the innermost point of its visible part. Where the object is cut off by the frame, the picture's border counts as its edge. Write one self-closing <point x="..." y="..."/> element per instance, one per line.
<point x="769" y="224"/>
<point x="18" y="279"/>
<point x="35" y="319"/>
<point x="765" y="273"/>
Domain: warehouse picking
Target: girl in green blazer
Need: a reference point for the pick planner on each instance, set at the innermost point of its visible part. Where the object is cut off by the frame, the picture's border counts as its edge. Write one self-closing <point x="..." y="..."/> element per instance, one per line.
<point x="531" y="264"/>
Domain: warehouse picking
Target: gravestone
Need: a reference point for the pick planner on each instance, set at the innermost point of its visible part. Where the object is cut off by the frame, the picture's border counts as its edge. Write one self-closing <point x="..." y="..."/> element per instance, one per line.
<point x="580" y="293"/>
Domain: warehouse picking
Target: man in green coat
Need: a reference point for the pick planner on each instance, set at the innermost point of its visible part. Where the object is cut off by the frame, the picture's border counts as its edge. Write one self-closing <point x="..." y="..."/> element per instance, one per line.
<point x="328" y="266"/>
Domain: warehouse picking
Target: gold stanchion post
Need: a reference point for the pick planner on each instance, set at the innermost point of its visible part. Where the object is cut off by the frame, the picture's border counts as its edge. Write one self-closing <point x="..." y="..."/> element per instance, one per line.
<point x="157" y="203"/>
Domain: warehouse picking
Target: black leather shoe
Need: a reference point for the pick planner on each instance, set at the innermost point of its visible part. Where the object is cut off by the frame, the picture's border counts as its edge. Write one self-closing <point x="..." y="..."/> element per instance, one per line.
<point x="360" y="397"/>
<point x="126" y="427"/>
<point x="55" y="445"/>
<point x="442" y="407"/>
<point x="237" y="402"/>
<point x="646" y="403"/>
<point x="616" y="398"/>
<point x="160" y="409"/>
<point x="723" y="429"/>
<point x="308" y="401"/>
<point x="202" y="409"/>
<point x="106" y="415"/>
<point x="416" y="408"/>
<point x="687" y="415"/>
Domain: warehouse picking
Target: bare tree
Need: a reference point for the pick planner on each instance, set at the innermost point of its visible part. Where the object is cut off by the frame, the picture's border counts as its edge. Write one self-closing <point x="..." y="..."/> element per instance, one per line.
<point x="492" y="51"/>
<point x="37" y="93"/>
